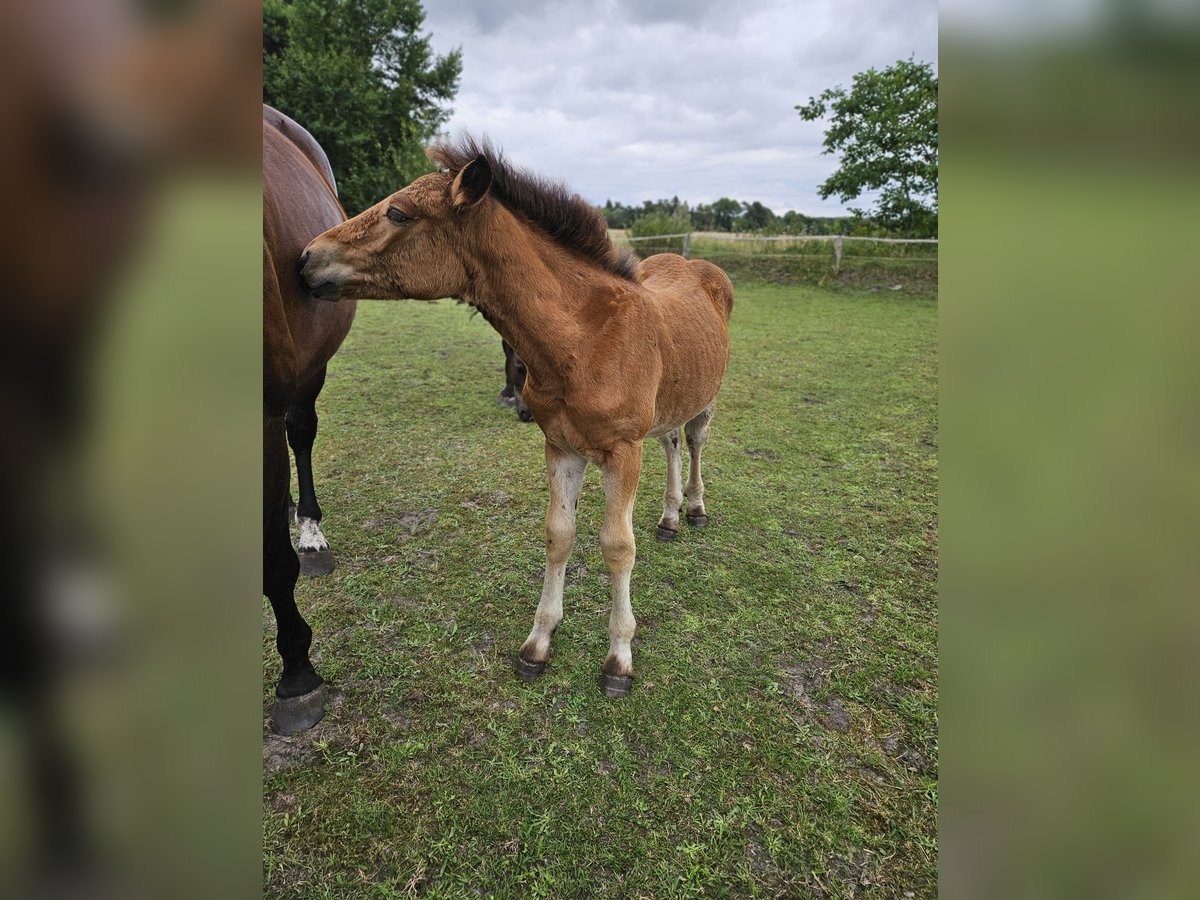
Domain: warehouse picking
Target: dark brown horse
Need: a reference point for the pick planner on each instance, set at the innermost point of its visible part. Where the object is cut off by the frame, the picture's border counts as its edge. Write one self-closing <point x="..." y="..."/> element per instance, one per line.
<point x="300" y="335"/>
<point x="616" y="351"/>
<point x="513" y="392"/>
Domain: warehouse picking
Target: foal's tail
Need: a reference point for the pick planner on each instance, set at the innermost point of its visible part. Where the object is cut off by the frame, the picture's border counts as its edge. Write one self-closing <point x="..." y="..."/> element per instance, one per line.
<point x="718" y="285"/>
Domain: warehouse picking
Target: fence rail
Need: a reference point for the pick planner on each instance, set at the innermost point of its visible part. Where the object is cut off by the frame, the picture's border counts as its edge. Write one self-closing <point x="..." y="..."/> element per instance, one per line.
<point x="718" y="236"/>
<point x="837" y="240"/>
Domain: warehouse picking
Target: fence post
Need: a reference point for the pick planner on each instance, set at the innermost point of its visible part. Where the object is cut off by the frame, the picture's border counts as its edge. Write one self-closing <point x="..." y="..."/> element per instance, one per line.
<point x="687" y="244"/>
<point x="837" y="254"/>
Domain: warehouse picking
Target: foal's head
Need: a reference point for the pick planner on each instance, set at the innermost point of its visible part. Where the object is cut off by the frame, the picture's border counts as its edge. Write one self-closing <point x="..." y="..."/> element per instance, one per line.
<point x="407" y="245"/>
<point x="417" y="243"/>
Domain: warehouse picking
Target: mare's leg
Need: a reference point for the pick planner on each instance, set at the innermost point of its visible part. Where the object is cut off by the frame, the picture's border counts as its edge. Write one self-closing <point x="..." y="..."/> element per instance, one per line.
<point x="300" y="696"/>
<point x="508" y="395"/>
<point x="565" y="469"/>
<point x="315" y="555"/>
<point x="617" y="544"/>
<point x="697" y="435"/>
<point x="668" y="525"/>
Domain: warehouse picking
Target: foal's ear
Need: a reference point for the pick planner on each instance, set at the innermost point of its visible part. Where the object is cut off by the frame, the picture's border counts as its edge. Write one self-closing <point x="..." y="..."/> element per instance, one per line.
<point x="471" y="183"/>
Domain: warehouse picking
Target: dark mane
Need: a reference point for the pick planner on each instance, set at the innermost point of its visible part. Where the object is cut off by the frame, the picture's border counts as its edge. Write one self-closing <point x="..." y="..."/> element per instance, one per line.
<point x="549" y="205"/>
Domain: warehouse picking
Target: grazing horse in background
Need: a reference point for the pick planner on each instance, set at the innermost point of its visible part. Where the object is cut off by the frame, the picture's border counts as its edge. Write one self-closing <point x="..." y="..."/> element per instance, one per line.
<point x="616" y="351"/>
<point x="300" y="335"/>
<point x="514" y="383"/>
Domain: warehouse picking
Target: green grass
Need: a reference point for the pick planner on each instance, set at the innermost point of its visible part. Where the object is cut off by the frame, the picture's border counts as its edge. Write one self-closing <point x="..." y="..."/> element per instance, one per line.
<point x="781" y="737"/>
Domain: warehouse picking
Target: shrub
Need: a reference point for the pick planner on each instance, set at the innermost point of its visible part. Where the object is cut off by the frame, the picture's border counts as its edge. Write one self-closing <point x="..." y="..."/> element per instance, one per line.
<point x="656" y="224"/>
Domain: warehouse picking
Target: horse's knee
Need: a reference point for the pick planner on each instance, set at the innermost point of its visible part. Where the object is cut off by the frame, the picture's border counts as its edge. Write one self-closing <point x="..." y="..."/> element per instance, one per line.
<point x="560" y="537"/>
<point x="617" y="548"/>
<point x="301" y="426"/>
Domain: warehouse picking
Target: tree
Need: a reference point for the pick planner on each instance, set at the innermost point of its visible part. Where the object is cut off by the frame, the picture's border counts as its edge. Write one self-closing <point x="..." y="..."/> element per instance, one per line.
<point x="886" y="130"/>
<point x="363" y="79"/>
<point x="757" y="217"/>
<point x="724" y="211"/>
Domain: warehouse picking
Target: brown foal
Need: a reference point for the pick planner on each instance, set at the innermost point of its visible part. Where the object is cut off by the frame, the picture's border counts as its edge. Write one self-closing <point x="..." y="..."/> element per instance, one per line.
<point x="616" y="351"/>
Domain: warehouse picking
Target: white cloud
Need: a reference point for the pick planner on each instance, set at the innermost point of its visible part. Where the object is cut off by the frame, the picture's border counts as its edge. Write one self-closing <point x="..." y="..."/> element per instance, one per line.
<point x="640" y="99"/>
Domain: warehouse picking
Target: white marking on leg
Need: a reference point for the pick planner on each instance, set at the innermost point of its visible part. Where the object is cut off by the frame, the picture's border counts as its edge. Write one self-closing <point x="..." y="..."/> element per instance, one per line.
<point x="619" y="549"/>
<point x="673" y="497"/>
<point x="565" y="473"/>
<point x="311" y="536"/>
<point x="697" y="436"/>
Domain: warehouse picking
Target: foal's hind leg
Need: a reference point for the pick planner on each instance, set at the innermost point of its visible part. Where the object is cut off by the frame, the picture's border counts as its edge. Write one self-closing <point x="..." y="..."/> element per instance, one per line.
<point x="315" y="555"/>
<point x="668" y="525"/>
<point x="697" y="435"/>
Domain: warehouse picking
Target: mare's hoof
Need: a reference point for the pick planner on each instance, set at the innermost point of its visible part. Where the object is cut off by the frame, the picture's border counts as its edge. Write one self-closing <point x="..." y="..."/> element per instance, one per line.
<point x="293" y="714"/>
<point x="316" y="562"/>
<point x="697" y="521"/>
<point x="666" y="535"/>
<point x="529" y="671"/>
<point x="616" y="686"/>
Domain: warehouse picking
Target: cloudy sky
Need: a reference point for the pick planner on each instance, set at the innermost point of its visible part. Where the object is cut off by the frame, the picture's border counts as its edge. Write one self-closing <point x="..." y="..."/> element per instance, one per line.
<point x="641" y="99"/>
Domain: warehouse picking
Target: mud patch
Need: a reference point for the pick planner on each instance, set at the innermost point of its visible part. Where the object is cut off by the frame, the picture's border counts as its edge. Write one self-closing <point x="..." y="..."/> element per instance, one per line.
<point x="283" y="752"/>
<point x="758" y="859"/>
<point x="492" y="499"/>
<point x="803" y="683"/>
<point x="416" y="522"/>
<point x="845" y="877"/>
<point x="834" y="716"/>
<point x="909" y="757"/>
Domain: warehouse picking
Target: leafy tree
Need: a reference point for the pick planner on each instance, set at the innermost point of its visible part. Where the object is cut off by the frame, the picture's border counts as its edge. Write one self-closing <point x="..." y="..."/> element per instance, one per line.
<point x="363" y="79"/>
<point x="756" y="217"/>
<point x="886" y="130"/>
<point x="617" y="215"/>
<point x="724" y="212"/>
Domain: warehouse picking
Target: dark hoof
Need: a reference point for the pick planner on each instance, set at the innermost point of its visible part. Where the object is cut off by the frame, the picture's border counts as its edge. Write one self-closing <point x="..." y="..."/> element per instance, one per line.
<point x="529" y="671"/>
<point x="293" y="714"/>
<point x="316" y="562"/>
<point x="697" y="521"/>
<point x="666" y="535"/>
<point x="616" y="686"/>
<point x="525" y="415"/>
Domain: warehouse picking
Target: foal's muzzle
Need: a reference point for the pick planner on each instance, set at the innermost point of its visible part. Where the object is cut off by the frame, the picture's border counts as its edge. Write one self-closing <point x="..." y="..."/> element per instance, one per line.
<point x="322" y="275"/>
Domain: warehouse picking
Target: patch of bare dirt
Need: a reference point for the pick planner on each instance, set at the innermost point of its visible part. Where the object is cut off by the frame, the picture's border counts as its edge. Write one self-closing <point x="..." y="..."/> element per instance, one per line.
<point x="281" y="752"/>
<point x="910" y="757"/>
<point x="803" y="683"/>
<point x="414" y="522"/>
<point x="758" y="859"/>
<point x="498" y="498"/>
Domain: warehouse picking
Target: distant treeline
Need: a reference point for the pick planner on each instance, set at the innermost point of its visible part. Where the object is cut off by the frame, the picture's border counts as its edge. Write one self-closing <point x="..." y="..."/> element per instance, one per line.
<point x="732" y="215"/>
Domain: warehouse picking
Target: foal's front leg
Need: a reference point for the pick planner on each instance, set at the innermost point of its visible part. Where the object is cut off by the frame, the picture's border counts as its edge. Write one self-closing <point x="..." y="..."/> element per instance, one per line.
<point x="617" y="544"/>
<point x="565" y="469"/>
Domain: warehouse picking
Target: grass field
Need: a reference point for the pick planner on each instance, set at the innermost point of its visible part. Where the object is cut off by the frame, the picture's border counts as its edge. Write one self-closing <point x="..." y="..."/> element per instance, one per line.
<point x="781" y="737"/>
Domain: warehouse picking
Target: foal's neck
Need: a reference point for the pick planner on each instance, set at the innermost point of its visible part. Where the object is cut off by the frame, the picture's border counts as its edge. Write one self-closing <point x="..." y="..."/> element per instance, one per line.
<point x="531" y="290"/>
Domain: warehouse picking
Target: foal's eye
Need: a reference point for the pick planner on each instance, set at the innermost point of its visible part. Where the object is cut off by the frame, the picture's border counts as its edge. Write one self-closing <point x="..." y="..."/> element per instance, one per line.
<point x="398" y="217"/>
